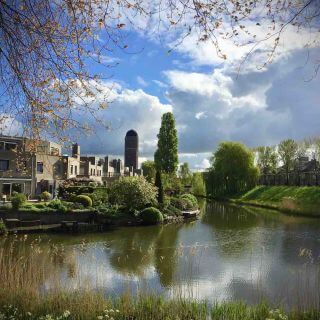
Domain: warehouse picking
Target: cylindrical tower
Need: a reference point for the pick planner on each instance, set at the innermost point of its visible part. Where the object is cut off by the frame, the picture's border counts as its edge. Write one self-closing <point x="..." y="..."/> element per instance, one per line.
<point x="131" y="149"/>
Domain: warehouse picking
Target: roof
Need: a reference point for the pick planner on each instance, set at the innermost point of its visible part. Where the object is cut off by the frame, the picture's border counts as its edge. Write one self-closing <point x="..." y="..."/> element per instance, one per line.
<point x="131" y="133"/>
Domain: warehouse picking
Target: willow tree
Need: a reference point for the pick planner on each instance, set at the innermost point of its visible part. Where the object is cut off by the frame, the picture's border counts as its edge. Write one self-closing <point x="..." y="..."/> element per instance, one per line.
<point x="232" y="169"/>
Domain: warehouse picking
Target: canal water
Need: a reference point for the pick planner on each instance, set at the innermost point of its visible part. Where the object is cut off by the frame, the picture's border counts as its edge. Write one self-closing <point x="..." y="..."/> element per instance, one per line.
<point x="230" y="253"/>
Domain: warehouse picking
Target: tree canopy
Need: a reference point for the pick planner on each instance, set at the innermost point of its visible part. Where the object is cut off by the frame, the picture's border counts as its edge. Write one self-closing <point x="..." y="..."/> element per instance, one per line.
<point x="232" y="169"/>
<point x="288" y="151"/>
<point x="149" y="170"/>
<point x="267" y="159"/>
<point x="166" y="155"/>
<point x="185" y="173"/>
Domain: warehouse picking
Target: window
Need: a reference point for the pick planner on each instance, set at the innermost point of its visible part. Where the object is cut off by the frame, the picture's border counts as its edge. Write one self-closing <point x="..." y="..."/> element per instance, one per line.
<point x="10" y="146"/>
<point x="75" y="170"/>
<point x="6" y="188"/>
<point x="4" y="165"/>
<point x="71" y="169"/>
<point x="54" y="151"/>
<point x="39" y="167"/>
<point x="17" y="187"/>
<point x="1" y="146"/>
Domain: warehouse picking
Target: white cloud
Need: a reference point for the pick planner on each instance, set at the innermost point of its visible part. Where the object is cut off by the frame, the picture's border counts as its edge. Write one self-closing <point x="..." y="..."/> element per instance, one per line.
<point x="9" y="125"/>
<point x="258" y="108"/>
<point x="129" y="109"/>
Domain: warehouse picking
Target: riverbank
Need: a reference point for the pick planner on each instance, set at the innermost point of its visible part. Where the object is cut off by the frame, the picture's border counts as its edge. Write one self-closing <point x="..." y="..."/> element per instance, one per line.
<point x="304" y="201"/>
<point x="81" y="222"/>
<point x="85" y="305"/>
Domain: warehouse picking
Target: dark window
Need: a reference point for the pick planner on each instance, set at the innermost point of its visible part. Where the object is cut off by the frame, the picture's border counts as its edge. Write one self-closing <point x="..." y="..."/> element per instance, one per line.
<point x="39" y="167"/>
<point x="1" y="145"/>
<point x="75" y="170"/>
<point x="17" y="187"/>
<point x="10" y="146"/>
<point x="6" y="188"/>
<point x="4" y="165"/>
<point x="71" y="170"/>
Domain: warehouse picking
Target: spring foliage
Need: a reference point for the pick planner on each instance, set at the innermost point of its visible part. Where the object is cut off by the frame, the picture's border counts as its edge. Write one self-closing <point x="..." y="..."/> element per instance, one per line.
<point x="134" y="193"/>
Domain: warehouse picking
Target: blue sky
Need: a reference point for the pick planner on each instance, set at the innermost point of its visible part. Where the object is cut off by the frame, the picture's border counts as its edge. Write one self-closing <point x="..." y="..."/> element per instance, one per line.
<point x="210" y="100"/>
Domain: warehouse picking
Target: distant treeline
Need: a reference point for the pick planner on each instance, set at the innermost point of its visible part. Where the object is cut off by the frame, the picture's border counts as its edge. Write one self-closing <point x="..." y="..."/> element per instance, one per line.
<point x="236" y="168"/>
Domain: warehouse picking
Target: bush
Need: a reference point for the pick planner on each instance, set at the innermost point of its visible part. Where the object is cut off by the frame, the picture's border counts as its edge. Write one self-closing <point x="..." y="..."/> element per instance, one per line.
<point x="18" y="200"/>
<point x="40" y="205"/>
<point x="57" y="205"/>
<point x="3" y="228"/>
<point x="151" y="215"/>
<point x="182" y="203"/>
<point x="45" y="196"/>
<point x="84" y="200"/>
<point x="98" y="196"/>
<point x="192" y="198"/>
<point x="133" y="193"/>
<point x="109" y="210"/>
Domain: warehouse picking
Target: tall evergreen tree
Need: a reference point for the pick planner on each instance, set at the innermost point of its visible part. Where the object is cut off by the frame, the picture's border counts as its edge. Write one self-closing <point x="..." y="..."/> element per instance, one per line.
<point x="166" y="156"/>
<point x="158" y="184"/>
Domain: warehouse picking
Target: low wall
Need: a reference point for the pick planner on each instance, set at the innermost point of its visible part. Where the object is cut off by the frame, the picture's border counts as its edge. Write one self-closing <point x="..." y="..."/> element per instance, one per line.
<point x="50" y="217"/>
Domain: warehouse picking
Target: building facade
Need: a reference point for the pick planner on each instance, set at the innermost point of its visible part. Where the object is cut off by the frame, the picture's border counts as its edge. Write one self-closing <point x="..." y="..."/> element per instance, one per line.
<point x="31" y="167"/>
<point x="131" y="150"/>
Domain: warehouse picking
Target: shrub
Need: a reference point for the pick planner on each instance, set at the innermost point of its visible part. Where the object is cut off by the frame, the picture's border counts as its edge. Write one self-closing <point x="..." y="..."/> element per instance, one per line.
<point x="151" y="215"/>
<point x="181" y="203"/>
<point x="98" y="196"/>
<point x="133" y="193"/>
<point x="108" y="210"/>
<point x="40" y="205"/>
<point x="45" y="196"/>
<point x="3" y="228"/>
<point x="192" y="198"/>
<point x="84" y="200"/>
<point x="173" y="211"/>
<point x="57" y="205"/>
<point x="18" y="200"/>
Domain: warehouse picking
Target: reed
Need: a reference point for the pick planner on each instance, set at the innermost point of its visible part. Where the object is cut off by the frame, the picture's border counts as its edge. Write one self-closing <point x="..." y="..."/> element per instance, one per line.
<point x="24" y="295"/>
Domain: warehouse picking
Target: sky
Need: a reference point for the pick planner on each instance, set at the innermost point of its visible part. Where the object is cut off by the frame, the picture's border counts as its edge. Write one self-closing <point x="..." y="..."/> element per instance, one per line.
<point x="210" y="99"/>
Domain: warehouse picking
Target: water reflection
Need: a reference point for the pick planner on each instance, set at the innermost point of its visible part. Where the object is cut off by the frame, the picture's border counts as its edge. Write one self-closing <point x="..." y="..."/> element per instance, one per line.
<point x="231" y="253"/>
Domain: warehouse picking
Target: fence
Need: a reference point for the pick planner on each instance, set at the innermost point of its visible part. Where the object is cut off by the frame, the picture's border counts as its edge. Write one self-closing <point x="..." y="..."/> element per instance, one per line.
<point x="311" y="178"/>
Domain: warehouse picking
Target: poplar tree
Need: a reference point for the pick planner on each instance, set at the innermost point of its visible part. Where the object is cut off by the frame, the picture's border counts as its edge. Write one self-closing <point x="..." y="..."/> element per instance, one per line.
<point x="166" y="156"/>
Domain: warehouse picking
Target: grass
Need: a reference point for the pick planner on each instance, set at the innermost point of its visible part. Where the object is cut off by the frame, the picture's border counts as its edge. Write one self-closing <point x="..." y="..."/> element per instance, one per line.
<point x="23" y="269"/>
<point x="295" y="200"/>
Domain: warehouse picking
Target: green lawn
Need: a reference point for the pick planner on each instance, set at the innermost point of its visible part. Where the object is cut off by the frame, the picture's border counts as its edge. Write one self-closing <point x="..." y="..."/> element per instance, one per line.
<point x="300" y="200"/>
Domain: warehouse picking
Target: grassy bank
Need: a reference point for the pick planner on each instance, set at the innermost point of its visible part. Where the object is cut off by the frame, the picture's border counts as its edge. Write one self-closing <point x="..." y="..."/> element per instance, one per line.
<point x="293" y="200"/>
<point x="93" y="306"/>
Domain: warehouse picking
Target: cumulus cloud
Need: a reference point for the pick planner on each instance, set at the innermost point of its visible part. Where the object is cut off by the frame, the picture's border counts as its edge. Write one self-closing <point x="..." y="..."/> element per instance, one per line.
<point x="258" y="108"/>
<point x="129" y="109"/>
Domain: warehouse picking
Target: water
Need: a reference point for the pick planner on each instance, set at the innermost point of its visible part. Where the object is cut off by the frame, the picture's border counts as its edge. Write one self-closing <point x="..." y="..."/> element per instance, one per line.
<point x="230" y="253"/>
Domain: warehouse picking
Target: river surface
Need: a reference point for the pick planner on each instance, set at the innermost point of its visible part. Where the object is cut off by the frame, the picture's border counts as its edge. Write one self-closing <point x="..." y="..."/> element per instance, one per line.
<point x="230" y="253"/>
